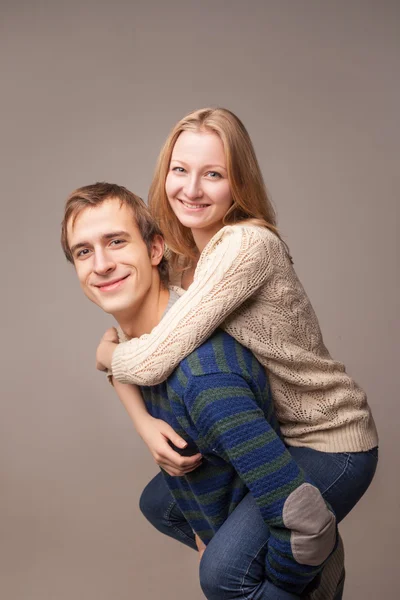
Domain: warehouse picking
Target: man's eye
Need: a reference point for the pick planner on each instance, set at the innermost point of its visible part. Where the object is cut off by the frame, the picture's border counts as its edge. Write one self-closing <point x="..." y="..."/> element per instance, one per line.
<point x="83" y="252"/>
<point x="116" y="242"/>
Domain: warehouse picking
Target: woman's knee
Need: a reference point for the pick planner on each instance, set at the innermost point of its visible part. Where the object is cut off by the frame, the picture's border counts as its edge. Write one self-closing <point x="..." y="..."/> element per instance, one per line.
<point x="233" y="563"/>
<point x="162" y="512"/>
<point x="219" y="579"/>
<point x="211" y="576"/>
<point x="153" y="501"/>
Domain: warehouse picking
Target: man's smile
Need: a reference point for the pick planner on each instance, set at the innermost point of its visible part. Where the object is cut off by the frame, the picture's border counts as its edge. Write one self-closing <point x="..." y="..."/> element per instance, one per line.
<point x="108" y="286"/>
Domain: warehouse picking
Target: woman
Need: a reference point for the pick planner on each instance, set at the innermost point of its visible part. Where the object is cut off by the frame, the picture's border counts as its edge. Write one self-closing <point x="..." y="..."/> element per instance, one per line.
<point x="210" y="201"/>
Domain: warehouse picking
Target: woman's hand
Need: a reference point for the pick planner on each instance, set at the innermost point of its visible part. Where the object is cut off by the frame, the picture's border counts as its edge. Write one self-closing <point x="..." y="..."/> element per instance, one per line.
<point x="155" y="434"/>
<point x="105" y="349"/>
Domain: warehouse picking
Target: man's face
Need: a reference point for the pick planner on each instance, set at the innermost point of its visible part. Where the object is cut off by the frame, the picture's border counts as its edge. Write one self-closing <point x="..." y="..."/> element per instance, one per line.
<point x="111" y="259"/>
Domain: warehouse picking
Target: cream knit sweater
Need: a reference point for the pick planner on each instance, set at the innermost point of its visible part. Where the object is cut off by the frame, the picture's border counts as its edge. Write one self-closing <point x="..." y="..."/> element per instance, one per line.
<point x="245" y="283"/>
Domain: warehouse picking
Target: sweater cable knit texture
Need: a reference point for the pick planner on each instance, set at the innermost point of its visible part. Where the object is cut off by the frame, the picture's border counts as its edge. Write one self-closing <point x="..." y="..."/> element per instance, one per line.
<point x="245" y="283"/>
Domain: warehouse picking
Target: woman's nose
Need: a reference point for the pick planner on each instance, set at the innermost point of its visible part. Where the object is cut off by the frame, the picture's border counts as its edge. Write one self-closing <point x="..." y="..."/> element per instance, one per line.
<point x="193" y="188"/>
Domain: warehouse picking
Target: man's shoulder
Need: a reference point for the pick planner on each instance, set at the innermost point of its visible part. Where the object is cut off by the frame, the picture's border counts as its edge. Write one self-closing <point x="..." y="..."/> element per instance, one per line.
<point x="219" y="354"/>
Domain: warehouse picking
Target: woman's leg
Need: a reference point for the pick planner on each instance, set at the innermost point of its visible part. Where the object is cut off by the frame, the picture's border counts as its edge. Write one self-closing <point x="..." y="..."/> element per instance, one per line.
<point x="234" y="558"/>
<point x="233" y="564"/>
<point x="161" y="510"/>
<point x="341" y="477"/>
<point x="239" y="548"/>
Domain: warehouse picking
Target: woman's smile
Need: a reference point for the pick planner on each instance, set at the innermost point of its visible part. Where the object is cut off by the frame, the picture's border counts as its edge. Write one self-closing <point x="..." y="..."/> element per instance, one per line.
<point x="191" y="206"/>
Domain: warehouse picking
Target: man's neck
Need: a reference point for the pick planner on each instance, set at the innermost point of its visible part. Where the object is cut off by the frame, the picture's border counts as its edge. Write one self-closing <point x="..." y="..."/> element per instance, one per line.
<point x="146" y="316"/>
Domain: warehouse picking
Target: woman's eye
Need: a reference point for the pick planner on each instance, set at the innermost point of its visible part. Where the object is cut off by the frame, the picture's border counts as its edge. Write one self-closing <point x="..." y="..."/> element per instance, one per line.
<point x="178" y="169"/>
<point x="214" y="174"/>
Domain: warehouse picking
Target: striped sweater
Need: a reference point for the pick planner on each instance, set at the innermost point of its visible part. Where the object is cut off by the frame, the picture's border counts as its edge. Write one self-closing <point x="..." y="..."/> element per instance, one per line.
<point x="218" y="400"/>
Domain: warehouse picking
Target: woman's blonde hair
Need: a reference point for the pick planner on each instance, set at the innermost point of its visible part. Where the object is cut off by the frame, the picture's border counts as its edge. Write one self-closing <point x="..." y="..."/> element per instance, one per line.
<point x="250" y="198"/>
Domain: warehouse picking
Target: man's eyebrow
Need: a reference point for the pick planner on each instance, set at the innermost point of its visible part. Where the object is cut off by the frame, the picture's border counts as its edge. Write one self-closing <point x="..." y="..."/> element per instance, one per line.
<point x="112" y="234"/>
<point x="106" y="236"/>
<point x="77" y="246"/>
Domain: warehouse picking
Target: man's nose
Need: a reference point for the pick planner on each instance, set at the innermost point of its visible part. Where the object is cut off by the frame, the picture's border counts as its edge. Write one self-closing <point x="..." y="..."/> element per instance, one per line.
<point x="103" y="263"/>
<point x="193" y="189"/>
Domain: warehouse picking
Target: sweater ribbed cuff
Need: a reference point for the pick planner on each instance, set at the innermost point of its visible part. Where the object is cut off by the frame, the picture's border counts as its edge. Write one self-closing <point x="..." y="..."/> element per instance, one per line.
<point x="117" y="364"/>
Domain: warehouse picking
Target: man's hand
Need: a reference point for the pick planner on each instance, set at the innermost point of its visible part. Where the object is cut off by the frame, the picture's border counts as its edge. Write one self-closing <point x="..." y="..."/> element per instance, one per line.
<point x="156" y="433"/>
<point x="105" y="349"/>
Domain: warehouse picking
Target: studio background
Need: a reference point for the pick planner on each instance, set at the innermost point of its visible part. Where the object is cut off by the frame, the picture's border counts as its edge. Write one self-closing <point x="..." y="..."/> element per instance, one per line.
<point x="89" y="91"/>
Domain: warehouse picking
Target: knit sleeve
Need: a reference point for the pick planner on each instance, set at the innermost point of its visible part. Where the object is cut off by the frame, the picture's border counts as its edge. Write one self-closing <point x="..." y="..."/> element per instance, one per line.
<point x="232" y="267"/>
<point x="302" y="528"/>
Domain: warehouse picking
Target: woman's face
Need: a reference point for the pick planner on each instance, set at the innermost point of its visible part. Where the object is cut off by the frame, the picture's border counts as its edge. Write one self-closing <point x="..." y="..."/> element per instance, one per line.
<point x="197" y="184"/>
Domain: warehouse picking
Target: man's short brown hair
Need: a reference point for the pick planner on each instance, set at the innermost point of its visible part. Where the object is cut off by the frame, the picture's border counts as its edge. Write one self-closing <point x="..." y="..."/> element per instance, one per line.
<point x="96" y="194"/>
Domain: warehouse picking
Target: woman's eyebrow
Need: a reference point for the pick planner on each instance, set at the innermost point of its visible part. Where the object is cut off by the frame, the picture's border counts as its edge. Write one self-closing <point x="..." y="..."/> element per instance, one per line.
<point x="210" y="166"/>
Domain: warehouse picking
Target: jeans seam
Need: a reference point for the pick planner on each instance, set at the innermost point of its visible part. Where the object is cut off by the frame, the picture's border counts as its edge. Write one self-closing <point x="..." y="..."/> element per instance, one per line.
<point x="167" y="518"/>
<point x="244" y="595"/>
<point x="339" y="476"/>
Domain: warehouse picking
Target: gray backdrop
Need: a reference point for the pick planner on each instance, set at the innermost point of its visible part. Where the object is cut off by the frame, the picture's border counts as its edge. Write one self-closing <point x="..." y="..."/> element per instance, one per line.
<point x="89" y="91"/>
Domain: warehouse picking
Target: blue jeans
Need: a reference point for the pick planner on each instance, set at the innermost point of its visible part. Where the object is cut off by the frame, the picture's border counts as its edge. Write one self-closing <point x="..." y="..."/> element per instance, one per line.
<point x="232" y="566"/>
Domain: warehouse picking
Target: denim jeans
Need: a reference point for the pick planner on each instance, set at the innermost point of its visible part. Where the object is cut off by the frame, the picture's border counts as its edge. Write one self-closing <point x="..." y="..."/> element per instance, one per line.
<point x="232" y="566"/>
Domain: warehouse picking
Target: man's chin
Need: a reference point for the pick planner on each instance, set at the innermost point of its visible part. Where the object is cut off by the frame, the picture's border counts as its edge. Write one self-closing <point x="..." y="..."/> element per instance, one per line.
<point x="111" y="307"/>
<point x="114" y="309"/>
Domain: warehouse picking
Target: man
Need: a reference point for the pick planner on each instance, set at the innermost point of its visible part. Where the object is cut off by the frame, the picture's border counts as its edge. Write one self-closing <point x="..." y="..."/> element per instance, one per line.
<point x="218" y="400"/>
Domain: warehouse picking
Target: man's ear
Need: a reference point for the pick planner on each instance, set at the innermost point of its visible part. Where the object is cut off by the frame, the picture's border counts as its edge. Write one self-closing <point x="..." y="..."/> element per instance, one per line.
<point x="157" y="250"/>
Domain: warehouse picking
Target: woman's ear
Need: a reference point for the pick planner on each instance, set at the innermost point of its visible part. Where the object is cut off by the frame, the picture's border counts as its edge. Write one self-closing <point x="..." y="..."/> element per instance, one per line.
<point x="157" y="250"/>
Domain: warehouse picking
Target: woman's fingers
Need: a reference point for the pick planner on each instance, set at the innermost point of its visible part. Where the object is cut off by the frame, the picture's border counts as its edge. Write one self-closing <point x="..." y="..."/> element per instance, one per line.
<point x="177" y="465"/>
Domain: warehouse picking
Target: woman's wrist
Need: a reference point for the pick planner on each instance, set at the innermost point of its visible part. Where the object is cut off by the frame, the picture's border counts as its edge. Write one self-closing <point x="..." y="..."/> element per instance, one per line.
<point x="142" y="423"/>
